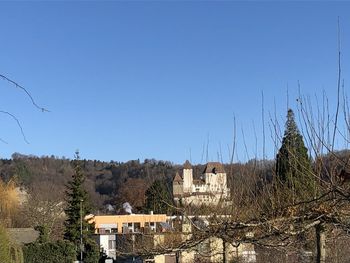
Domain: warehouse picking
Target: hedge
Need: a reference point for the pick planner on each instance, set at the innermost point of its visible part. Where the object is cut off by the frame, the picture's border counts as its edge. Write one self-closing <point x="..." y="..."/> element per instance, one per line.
<point x="53" y="252"/>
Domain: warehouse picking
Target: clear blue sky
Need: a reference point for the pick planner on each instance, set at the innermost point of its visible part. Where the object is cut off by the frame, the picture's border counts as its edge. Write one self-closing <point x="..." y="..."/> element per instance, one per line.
<point x="128" y="80"/>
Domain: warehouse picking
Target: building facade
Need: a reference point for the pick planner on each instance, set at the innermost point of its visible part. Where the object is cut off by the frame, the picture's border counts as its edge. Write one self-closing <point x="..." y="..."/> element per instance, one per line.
<point x="211" y="188"/>
<point x="115" y="232"/>
<point x="132" y="234"/>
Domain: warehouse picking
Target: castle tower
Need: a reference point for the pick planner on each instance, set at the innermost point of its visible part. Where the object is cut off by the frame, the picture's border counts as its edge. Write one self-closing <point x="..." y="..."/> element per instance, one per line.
<point x="177" y="186"/>
<point x="187" y="177"/>
<point x="215" y="177"/>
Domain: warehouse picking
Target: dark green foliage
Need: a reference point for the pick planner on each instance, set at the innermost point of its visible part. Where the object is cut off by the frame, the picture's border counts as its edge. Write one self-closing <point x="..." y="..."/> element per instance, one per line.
<point x="92" y="251"/>
<point x="43" y="234"/>
<point x="22" y="172"/>
<point x="159" y="198"/>
<point x="53" y="252"/>
<point x="293" y="165"/>
<point x="77" y="205"/>
<point x="77" y="208"/>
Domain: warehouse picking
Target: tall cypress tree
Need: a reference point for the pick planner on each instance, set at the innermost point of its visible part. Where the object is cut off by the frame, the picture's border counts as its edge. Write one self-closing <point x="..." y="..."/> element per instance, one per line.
<point x="77" y="208"/>
<point x="293" y="165"/>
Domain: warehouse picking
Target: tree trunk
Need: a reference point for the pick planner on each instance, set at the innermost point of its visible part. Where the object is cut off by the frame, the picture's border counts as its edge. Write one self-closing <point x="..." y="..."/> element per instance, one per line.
<point x="177" y="257"/>
<point x="223" y="251"/>
<point x="320" y="244"/>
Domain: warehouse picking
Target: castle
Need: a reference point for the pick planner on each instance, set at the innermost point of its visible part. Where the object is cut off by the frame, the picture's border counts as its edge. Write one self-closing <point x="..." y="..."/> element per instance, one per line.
<point x="210" y="189"/>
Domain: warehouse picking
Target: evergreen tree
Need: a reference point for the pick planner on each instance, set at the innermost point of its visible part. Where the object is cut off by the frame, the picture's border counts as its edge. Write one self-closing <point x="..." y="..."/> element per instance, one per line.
<point x="158" y="198"/>
<point x="293" y="165"/>
<point x="77" y="208"/>
<point x="60" y="251"/>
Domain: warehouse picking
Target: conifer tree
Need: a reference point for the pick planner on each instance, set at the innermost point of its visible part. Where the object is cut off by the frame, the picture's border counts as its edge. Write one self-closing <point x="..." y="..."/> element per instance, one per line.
<point x="158" y="198"/>
<point x="77" y="208"/>
<point x="293" y="165"/>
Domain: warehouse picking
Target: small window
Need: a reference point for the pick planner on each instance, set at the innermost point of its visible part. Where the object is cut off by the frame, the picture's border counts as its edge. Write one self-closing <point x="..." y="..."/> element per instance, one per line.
<point x="137" y="227"/>
<point x="111" y="244"/>
<point x="125" y="228"/>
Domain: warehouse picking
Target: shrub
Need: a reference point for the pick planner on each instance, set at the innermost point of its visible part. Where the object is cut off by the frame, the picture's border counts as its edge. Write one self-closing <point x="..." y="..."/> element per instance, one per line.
<point x="53" y="252"/>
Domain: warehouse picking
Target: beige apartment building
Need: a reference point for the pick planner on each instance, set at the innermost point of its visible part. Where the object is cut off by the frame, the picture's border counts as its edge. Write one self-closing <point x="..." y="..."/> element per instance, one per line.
<point x="130" y="223"/>
<point x="131" y="233"/>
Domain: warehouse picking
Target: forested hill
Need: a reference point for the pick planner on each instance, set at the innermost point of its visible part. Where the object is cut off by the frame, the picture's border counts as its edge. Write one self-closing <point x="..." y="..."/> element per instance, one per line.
<point x="117" y="182"/>
<point x="106" y="182"/>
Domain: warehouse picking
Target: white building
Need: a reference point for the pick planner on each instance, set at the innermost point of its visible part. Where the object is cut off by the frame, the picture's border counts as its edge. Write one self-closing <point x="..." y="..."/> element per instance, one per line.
<point x="210" y="189"/>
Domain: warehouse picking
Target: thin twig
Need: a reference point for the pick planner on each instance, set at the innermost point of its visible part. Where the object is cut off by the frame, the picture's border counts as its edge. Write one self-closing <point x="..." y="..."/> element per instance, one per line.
<point x="3" y="141"/>
<point x="26" y="91"/>
<point x="338" y="87"/>
<point x="18" y="123"/>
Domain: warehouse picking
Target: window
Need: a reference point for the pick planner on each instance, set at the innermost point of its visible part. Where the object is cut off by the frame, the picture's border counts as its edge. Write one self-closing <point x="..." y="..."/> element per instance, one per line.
<point x="111" y="244"/>
<point x="152" y="226"/>
<point x="125" y="228"/>
<point x="137" y="227"/>
<point x="131" y="227"/>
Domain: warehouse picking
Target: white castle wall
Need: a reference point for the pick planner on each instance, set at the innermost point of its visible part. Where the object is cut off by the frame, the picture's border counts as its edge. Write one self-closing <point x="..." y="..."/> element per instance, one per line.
<point x="188" y="180"/>
<point x="211" y="192"/>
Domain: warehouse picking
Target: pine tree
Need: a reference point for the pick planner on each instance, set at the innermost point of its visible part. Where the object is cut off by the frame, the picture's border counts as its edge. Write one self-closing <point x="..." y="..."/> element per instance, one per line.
<point x="293" y="165"/>
<point x="158" y="198"/>
<point x="77" y="208"/>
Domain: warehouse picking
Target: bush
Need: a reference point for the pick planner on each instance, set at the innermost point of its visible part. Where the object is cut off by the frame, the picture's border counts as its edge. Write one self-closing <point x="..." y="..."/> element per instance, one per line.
<point x="53" y="252"/>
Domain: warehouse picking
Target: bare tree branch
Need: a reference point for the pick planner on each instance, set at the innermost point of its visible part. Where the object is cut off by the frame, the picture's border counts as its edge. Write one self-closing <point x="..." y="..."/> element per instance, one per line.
<point x="26" y="91"/>
<point x="338" y="86"/>
<point x="18" y="123"/>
